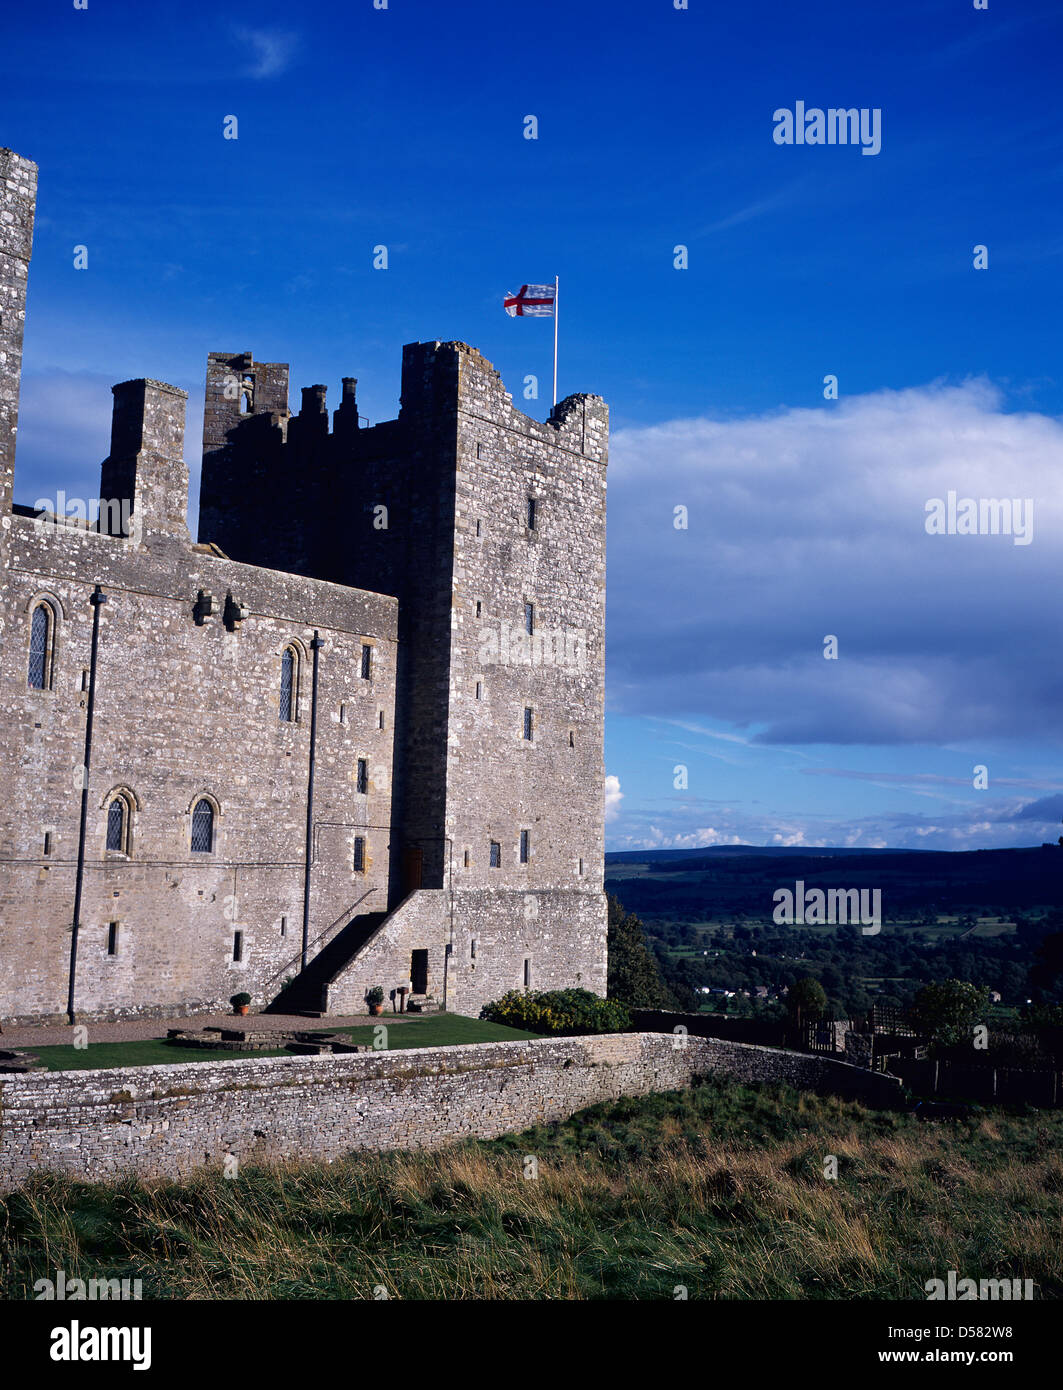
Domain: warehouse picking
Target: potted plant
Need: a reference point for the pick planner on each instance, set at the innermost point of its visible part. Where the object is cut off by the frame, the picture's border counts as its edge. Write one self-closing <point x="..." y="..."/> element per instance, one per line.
<point x="241" y="1003"/>
<point x="375" y="999"/>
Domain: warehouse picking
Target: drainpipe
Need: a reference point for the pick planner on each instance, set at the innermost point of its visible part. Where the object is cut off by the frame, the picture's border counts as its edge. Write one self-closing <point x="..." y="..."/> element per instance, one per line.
<point x="97" y="598"/>
<point x="315" y="645"/>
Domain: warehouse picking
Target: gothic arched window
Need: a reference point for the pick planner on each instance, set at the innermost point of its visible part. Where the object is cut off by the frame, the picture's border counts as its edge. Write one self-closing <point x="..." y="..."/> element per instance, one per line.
<point x="116" y="824"/>
<point x="289" y="685"/>
<point x="41" y="628"/>
<point x="203" y="827"/>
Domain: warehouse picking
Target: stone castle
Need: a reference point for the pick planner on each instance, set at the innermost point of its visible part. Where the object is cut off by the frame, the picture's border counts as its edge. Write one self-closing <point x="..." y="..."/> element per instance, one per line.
<point x="352" y="736"/>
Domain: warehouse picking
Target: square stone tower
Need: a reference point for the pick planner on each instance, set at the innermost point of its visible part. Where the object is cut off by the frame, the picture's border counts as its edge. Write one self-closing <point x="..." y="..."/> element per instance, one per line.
<point x="489" y="528"/>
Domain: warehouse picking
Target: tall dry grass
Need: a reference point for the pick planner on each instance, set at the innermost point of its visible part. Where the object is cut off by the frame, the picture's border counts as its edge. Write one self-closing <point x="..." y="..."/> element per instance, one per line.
<point x="720" y="1190"/>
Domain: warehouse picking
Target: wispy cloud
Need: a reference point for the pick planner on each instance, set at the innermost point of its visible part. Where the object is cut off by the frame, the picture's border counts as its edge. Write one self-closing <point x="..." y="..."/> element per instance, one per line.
<point x="272" y="50"/>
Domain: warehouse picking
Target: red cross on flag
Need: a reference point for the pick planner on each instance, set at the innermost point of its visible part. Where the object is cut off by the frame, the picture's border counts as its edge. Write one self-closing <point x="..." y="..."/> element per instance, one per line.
<point x="531" y="301"/>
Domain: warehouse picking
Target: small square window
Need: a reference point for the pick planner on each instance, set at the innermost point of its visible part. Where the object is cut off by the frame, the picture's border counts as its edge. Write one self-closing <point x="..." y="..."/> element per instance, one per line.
<point x="496" y="855"/>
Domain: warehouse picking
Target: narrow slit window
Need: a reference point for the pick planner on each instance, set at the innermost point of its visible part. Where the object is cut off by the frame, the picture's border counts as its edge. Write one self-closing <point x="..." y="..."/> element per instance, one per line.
<point x="527" y="973"/>
<point x="381" y="722"/>
<point x="284" y="926"/>
<point x="47" y="842"/>
<point x="479" y="690"/>
<point x="363" y="776"/>
<point x="572" y="738"/>
<point x="238" y="946"/>
<point x="359" y="854"/>
<point x="496" y="855"/>
<point x="112" y="938"/>
<point x="525" y="846"/>
<point x="367" y="662"/>
<point x="527" y="722"/>
<point x="465" y="860"/>
<point x="529" y="618"/>
<point x="531" y="513"/>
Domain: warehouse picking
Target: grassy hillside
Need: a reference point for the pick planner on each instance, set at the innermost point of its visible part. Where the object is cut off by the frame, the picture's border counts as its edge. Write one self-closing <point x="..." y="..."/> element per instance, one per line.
<point x="720" y="1189"/>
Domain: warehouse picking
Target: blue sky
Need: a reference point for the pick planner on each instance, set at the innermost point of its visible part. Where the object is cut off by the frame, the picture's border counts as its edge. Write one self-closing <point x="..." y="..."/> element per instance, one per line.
<point x="404" y="127"/>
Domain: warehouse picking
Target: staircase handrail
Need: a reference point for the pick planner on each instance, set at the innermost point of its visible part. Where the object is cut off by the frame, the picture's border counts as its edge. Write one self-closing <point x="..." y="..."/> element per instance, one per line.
<point x="346" y="913"/>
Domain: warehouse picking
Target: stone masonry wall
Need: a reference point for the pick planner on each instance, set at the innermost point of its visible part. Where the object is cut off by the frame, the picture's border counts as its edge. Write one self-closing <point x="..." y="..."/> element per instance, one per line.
<point x="184" y="709"/>
<point x="18" y="194"/>
<point x="163" y="1121"/>
<point x="500" y="940"/>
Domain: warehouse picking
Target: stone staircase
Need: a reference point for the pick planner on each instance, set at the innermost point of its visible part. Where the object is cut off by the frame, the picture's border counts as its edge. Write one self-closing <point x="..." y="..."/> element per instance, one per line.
<point x="307" y="994"/>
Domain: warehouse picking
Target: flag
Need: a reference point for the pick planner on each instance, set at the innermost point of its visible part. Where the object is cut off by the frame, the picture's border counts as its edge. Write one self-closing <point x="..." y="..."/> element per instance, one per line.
<point x="530" y="301"/>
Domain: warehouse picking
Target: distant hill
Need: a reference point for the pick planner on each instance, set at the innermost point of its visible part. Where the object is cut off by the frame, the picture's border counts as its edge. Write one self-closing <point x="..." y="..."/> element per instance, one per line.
<point x="699" y="883"/>
<point x="645" y="856"/>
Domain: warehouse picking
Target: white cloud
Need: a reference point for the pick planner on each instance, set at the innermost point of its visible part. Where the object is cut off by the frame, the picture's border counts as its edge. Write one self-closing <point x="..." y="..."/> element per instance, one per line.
<point x="809" y="522"/>
<point x="613" y="797"/>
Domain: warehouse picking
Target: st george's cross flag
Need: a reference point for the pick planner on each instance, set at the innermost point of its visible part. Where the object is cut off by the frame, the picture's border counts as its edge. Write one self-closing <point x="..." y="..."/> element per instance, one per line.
<point x="531" y="301"/>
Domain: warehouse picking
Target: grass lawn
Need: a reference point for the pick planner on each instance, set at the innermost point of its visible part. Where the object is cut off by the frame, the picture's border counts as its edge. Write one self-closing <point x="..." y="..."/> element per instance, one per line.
<point x="433" y="1030"/>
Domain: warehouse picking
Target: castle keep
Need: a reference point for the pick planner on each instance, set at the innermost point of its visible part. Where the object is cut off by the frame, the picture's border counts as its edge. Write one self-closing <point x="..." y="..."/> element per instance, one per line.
<point x="351" y="736"/>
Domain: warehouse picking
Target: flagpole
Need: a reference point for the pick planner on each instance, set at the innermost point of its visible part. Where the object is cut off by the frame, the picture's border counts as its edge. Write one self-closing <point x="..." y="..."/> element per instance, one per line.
<point x="555" y="340"/>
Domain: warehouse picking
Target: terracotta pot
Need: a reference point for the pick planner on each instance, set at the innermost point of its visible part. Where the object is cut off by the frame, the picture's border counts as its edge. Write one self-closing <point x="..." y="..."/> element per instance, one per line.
<point x="376" y="1010"/>
<point x="241" y="1009"/>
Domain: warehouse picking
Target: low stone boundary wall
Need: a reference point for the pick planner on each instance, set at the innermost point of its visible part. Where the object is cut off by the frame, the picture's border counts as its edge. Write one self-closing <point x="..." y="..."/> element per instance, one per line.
<point x="162" y="1121"/>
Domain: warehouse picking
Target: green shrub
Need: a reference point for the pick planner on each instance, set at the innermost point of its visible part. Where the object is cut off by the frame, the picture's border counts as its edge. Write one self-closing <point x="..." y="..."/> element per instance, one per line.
<point x="558" y="1011"/>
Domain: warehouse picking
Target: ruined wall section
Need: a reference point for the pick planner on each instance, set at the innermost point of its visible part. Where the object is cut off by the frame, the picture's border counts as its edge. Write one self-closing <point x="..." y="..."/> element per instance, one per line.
<point x="18" y="200"/>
